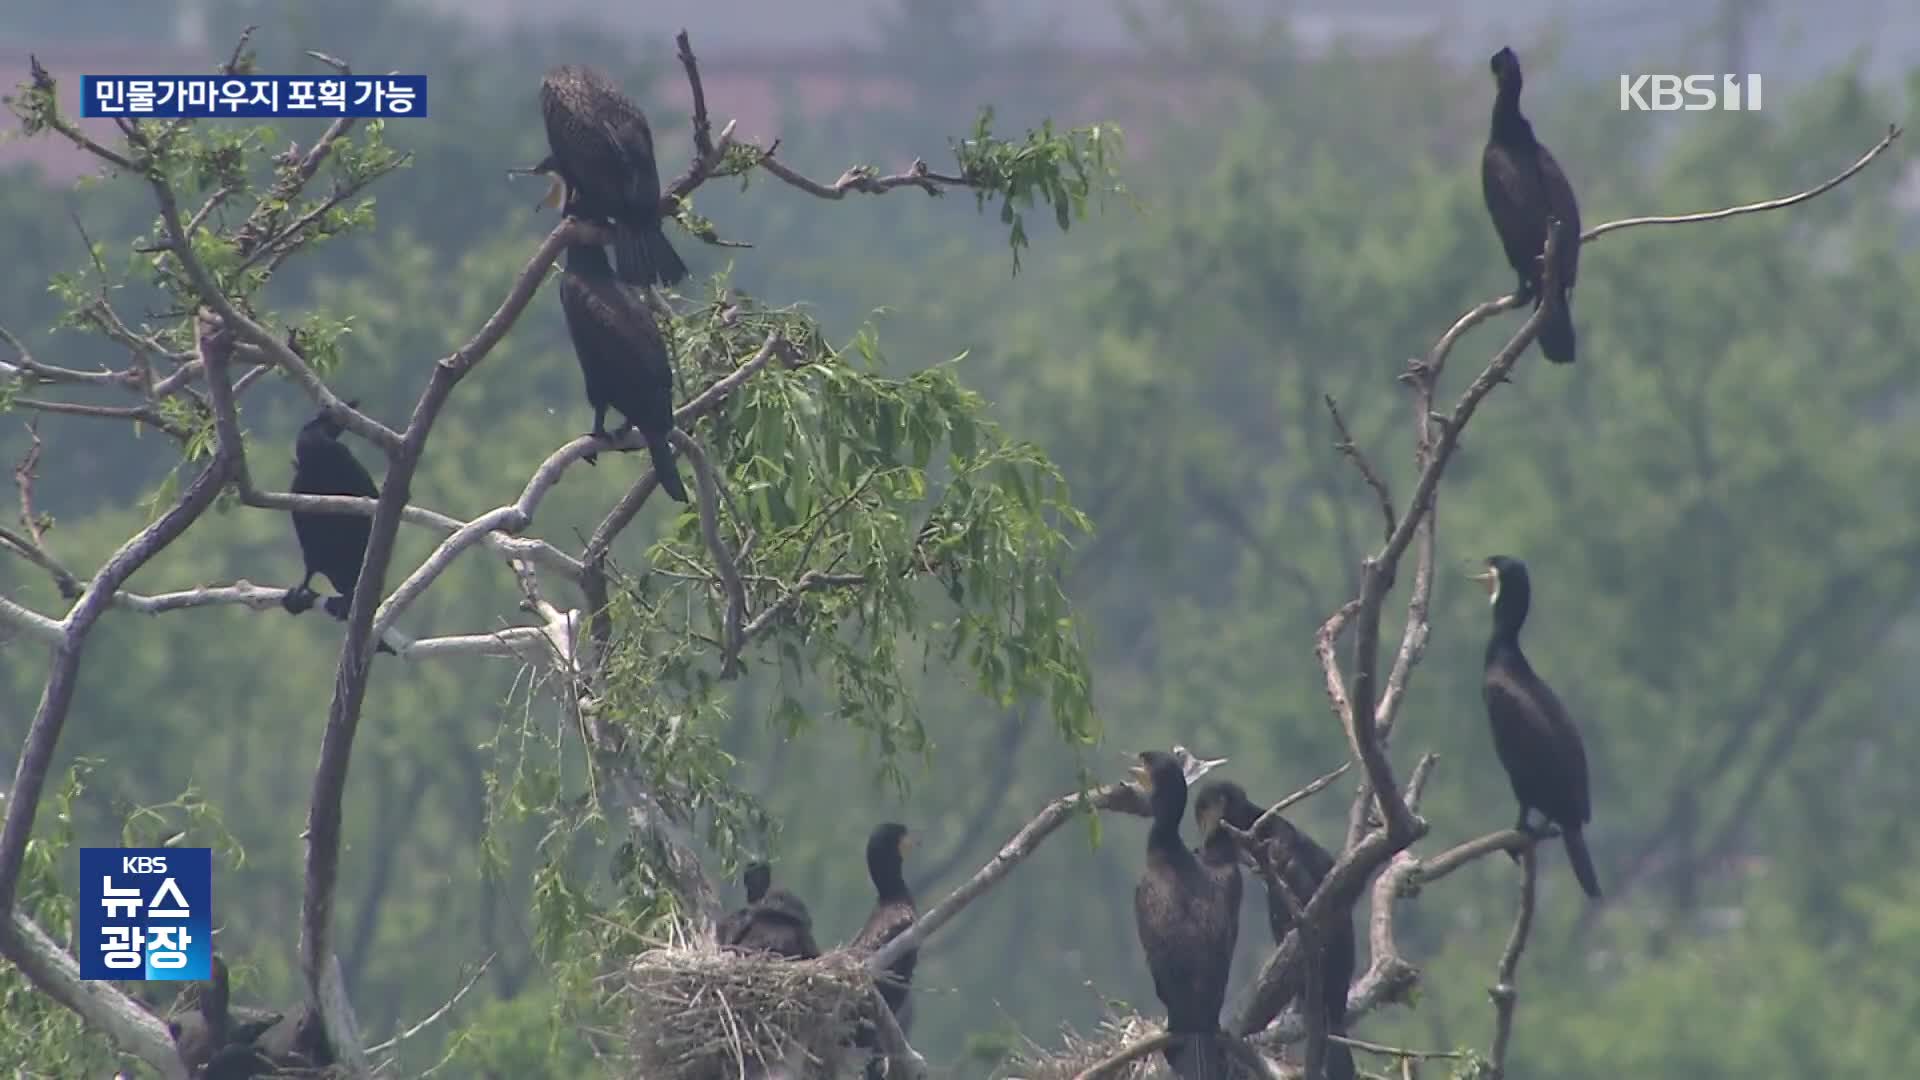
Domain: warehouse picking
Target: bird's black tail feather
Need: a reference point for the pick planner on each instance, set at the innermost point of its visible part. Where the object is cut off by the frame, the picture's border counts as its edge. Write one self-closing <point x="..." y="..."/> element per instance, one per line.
<point x="339" y="607"/>
<point x="644" y="257"/>
<point x="1582" y="862"/>
<point x="1339" y="1059"/>
<point x="1556" y="333"/>
<point x="1198" y="1057"/>
<point x="664" y="467"/>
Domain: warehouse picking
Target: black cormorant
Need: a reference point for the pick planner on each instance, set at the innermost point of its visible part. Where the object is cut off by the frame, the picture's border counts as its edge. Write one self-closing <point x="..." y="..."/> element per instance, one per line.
<point x="299" y="1039"/>
<point x="1303" y="865"/>
<point x="623" y="357"/>
<point x="1532" y="733"/>
<point x="216" y="1041"/>
<point x="774" y="920"/>
<point x="333" y="545"/>
<point x="755" y="878"/>
<point x="1188" y="916"/>
<point x="893" y="913"/>
<point x="603" y="162"/>
<point x="1524" y="187"/>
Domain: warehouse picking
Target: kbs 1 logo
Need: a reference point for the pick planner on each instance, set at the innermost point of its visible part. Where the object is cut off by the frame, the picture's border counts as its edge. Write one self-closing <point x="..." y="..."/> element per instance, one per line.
<point x="1694" y="93"/>
<point x="146" y="914"/>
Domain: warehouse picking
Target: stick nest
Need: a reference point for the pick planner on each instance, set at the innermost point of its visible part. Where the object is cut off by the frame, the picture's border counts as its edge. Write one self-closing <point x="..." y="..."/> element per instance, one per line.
<point x="697" y="1013"/>
<point x="1078" y="1052"/>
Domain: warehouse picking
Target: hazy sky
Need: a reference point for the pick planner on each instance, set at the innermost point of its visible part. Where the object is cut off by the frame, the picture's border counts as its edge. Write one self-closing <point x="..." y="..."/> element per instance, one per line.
<point x="1780" y="36"/>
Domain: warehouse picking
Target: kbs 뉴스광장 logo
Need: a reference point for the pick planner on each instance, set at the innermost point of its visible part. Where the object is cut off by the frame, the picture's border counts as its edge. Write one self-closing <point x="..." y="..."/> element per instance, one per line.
<point x="146" y="913"/>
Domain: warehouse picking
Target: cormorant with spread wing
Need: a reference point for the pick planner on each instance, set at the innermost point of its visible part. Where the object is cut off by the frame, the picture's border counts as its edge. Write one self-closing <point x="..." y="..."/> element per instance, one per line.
<point x="1532" y="733"/>
<point x="1524" y="187"/>
<point x="604" y="169"/>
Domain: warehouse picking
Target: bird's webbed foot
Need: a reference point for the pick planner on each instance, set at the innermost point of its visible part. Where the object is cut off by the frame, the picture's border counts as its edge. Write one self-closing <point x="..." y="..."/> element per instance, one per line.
<point x="299" y="599"/>
<point x="1525" y="828"/>
<point x="592" y="457"/>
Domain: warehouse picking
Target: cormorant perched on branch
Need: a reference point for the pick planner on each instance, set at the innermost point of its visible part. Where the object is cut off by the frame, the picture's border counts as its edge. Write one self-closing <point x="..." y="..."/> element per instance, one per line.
<point x="333" y="545"/>
<point x="1532" y="733"/>
<point x="622" y="355"/>
<point x="893" y="913"/>
<point x="1303" y="865"/>
<point x="603" y="162"/>
<point x="1524" y="187"/>
<point x="774" y="920"/>
<point x="1187" y="912"/>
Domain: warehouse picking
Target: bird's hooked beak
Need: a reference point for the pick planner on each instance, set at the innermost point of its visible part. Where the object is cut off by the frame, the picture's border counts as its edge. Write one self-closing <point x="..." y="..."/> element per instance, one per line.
<point x="1142" y="777"/>
<point x="1491" y="579"/>
<point x="556" y="195"/>
<point x="906" y="843"/>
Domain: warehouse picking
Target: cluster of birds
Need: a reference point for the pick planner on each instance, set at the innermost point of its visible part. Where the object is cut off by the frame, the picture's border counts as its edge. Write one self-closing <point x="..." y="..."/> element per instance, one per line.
<point x="602" y="166"/>
<point x="776" y="922"/>
<point x="1187" y="902"/>
<point x="219" y="1041"/>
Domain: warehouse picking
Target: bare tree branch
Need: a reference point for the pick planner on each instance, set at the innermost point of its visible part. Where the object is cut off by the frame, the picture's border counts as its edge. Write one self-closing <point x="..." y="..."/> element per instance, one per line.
<point x="56" y="699"/>
<point x="863" y="178"/>
<point x="1506" y="995"/>
<point x="181" y="244"/>
<point x="1111" y="798"/>
<point x="1893" y="132"/>
<point x="1335" y="897"/>
<point x="350" y="684"/>
<point x="436" y="1015"/>
<point x="1352" y="450"/>
<point x="892" y="1041"/>
<point x="51" y="631"/>
<point x="124" y="1021"/>
<point x="29" y="371"/>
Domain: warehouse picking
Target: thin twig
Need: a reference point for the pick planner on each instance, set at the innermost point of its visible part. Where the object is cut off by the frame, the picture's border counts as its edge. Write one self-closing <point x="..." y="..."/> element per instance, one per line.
<point x="1505" y="994"/>
<point x="1893" y="132"/>
<point x="434" y="1016"/>
<point x="1352" y="450"/>
<point x="1131" y="1052"/>
<point x="1399" y="1051"/>
<point x="1111" y="798"/>
<point x="1319" y="784"/>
